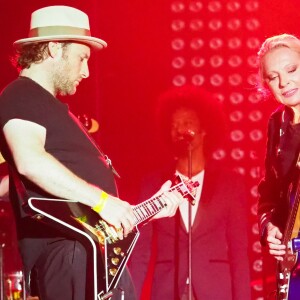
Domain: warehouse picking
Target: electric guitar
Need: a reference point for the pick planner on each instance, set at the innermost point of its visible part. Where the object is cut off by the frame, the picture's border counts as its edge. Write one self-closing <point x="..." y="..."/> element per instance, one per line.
<point x="109" y="253"/>
<point x="288" y="273"/>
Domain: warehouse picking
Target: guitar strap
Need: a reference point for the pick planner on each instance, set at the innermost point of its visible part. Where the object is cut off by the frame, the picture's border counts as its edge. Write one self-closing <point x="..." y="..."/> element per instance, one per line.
<point x="18" y="193"/>
<point x="104" y="156"/>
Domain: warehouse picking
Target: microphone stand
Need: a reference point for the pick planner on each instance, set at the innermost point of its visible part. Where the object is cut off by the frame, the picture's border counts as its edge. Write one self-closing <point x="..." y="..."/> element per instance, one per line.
<point x="1" y="273"/>
<point x="190" y="291"/>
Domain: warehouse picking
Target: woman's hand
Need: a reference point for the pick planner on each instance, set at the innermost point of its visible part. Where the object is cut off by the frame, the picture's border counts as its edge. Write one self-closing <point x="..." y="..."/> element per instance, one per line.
<point x="273" y="239"/>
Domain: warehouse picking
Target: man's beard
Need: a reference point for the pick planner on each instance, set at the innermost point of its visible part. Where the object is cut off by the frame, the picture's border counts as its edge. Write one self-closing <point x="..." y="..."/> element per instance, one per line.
<point x="65" y="89"/>
<point x="61" y="79"/>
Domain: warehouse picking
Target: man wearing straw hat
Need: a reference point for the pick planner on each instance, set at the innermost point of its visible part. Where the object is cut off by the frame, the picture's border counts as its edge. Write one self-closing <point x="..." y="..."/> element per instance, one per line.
<point x="51" y="156"/>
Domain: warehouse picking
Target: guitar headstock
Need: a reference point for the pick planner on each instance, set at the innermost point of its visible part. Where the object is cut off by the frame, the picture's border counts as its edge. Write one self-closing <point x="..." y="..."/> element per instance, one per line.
<point x="186" y="187"/>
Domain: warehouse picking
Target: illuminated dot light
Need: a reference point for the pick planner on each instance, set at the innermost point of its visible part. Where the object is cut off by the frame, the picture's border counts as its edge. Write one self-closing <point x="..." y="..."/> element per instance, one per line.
<point x="254" y="209"/>
<point x="253" y="155"/>
<point x="233" y="6"/>
<point x="196" y="25"/>
<point x="195" y="6"/>
<point x="198" y="79"/>
<point x="254" y="192"/>
<point x="178" y="44"/>
<point x="234" y="43"/>
<point x="257" y="265"/>
<point x="255" y="115"/>
<point x="220" y="97"/>
<point x="252" y="6"/>
<point x="219" y="154"/>
<point x="177" y="7"/>
<point x="234" y="24"/>
<point x="196" y="44"/>
<point x="255" y="97"/>
<point x="216" y="80"/>
<point x="236" y="98"/>
<point x="235" y="79"/>
<point x="197" y="62"/>
<point x="255" y="172"/>
<point x="214" y="45"/>
<point x="215" y="24"/>
<point x="240" y="170"/>
<point x="252" y="24"/>
<point x="252" y="79"/>
<point x="178" y="62"/>
<point x="178" y="25"/>
<point x="214" y="6"/>
<point x="235" y="61"/>
<point x="256" y="135"/>
<point x="237" y="153"/>
<point x="256" y="247"/>
<point x="255" y="229"/>
<point x="253" y="43"/>
<point x="237" y="135"/>
<point x="259" y="288"/>
<point x="179" y="80"/>
<point x="252" y="61"/>
<point x="216" y="61"/>
<point x="236" y="116"/>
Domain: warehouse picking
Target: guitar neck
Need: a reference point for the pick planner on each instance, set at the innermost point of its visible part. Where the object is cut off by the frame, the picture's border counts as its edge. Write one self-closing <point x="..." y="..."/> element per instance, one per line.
<point x="292" y="224"/>
<point x="149" y="208"/>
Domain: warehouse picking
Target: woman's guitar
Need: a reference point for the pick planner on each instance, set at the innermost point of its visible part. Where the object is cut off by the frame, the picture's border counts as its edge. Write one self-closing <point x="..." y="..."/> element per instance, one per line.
<point x="288" y="270"/>
<point x="109" y="253"/>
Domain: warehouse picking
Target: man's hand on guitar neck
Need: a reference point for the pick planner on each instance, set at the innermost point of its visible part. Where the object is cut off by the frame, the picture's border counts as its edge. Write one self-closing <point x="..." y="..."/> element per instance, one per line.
<point x="273" y="240"/>
<point x="172" y="199"/>
<point x="119" y="214"/>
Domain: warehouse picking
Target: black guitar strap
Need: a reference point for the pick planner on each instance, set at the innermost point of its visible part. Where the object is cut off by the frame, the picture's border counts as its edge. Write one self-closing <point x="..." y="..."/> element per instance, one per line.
<point x="18" y="193"/>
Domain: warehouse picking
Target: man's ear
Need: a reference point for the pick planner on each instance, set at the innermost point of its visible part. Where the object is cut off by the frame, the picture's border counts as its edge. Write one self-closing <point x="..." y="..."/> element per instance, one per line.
<point x="54" y="48"/>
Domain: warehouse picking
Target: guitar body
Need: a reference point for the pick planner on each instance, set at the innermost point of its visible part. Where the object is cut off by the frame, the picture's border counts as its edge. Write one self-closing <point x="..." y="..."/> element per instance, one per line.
<point x="288" y="270"/>
<point x="107" y="255"/>
<point x="106" y="260"/>
<point x="294" y="282"/>
<point x="288" y="278"/>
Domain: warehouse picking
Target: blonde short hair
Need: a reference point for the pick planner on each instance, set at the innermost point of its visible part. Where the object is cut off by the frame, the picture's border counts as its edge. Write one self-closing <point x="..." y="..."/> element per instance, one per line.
<point x="273" y="42"/>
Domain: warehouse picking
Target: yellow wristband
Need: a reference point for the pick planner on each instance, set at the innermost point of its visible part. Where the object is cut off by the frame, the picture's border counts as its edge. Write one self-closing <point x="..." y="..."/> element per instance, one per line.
<point x="103" y="199"/>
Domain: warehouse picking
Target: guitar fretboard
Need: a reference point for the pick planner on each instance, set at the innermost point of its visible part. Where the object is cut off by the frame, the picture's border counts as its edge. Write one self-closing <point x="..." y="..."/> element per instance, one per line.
<point x="292" y="224"/>
<point x="154" y="205"/>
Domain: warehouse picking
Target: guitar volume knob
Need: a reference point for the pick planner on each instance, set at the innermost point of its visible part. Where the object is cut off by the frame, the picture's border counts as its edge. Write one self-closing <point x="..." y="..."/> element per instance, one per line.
<point x="113" y="271"/>
<point x="115" y="261"/>
<point x="117" y="250"/>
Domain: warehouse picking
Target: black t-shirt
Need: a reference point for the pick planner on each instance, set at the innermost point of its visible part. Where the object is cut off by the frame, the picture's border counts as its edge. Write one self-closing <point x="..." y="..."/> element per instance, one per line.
<point x="66" y="139"/>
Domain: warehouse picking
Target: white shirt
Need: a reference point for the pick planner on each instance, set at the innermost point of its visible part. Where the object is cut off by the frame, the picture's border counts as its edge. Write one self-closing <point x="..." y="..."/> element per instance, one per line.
<point x="184" y="207"/>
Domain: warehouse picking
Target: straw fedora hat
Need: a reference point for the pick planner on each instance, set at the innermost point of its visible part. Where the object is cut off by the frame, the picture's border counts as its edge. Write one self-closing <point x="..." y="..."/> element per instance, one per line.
<point x="60" y="23"/>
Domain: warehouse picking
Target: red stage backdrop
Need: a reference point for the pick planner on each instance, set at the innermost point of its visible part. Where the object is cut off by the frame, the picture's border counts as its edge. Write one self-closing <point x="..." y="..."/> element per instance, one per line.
<point x="153" y="45"/>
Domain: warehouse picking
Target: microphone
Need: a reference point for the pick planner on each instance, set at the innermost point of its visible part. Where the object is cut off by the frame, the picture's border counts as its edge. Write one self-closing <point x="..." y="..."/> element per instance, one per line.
<point x="186" y="136"/>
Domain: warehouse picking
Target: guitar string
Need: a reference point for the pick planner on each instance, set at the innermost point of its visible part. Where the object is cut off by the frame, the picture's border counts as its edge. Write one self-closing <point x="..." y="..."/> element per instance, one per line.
<point x="142" y="211"/>
<point x="292" y="216"/>
<point x="140" y="208"/>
